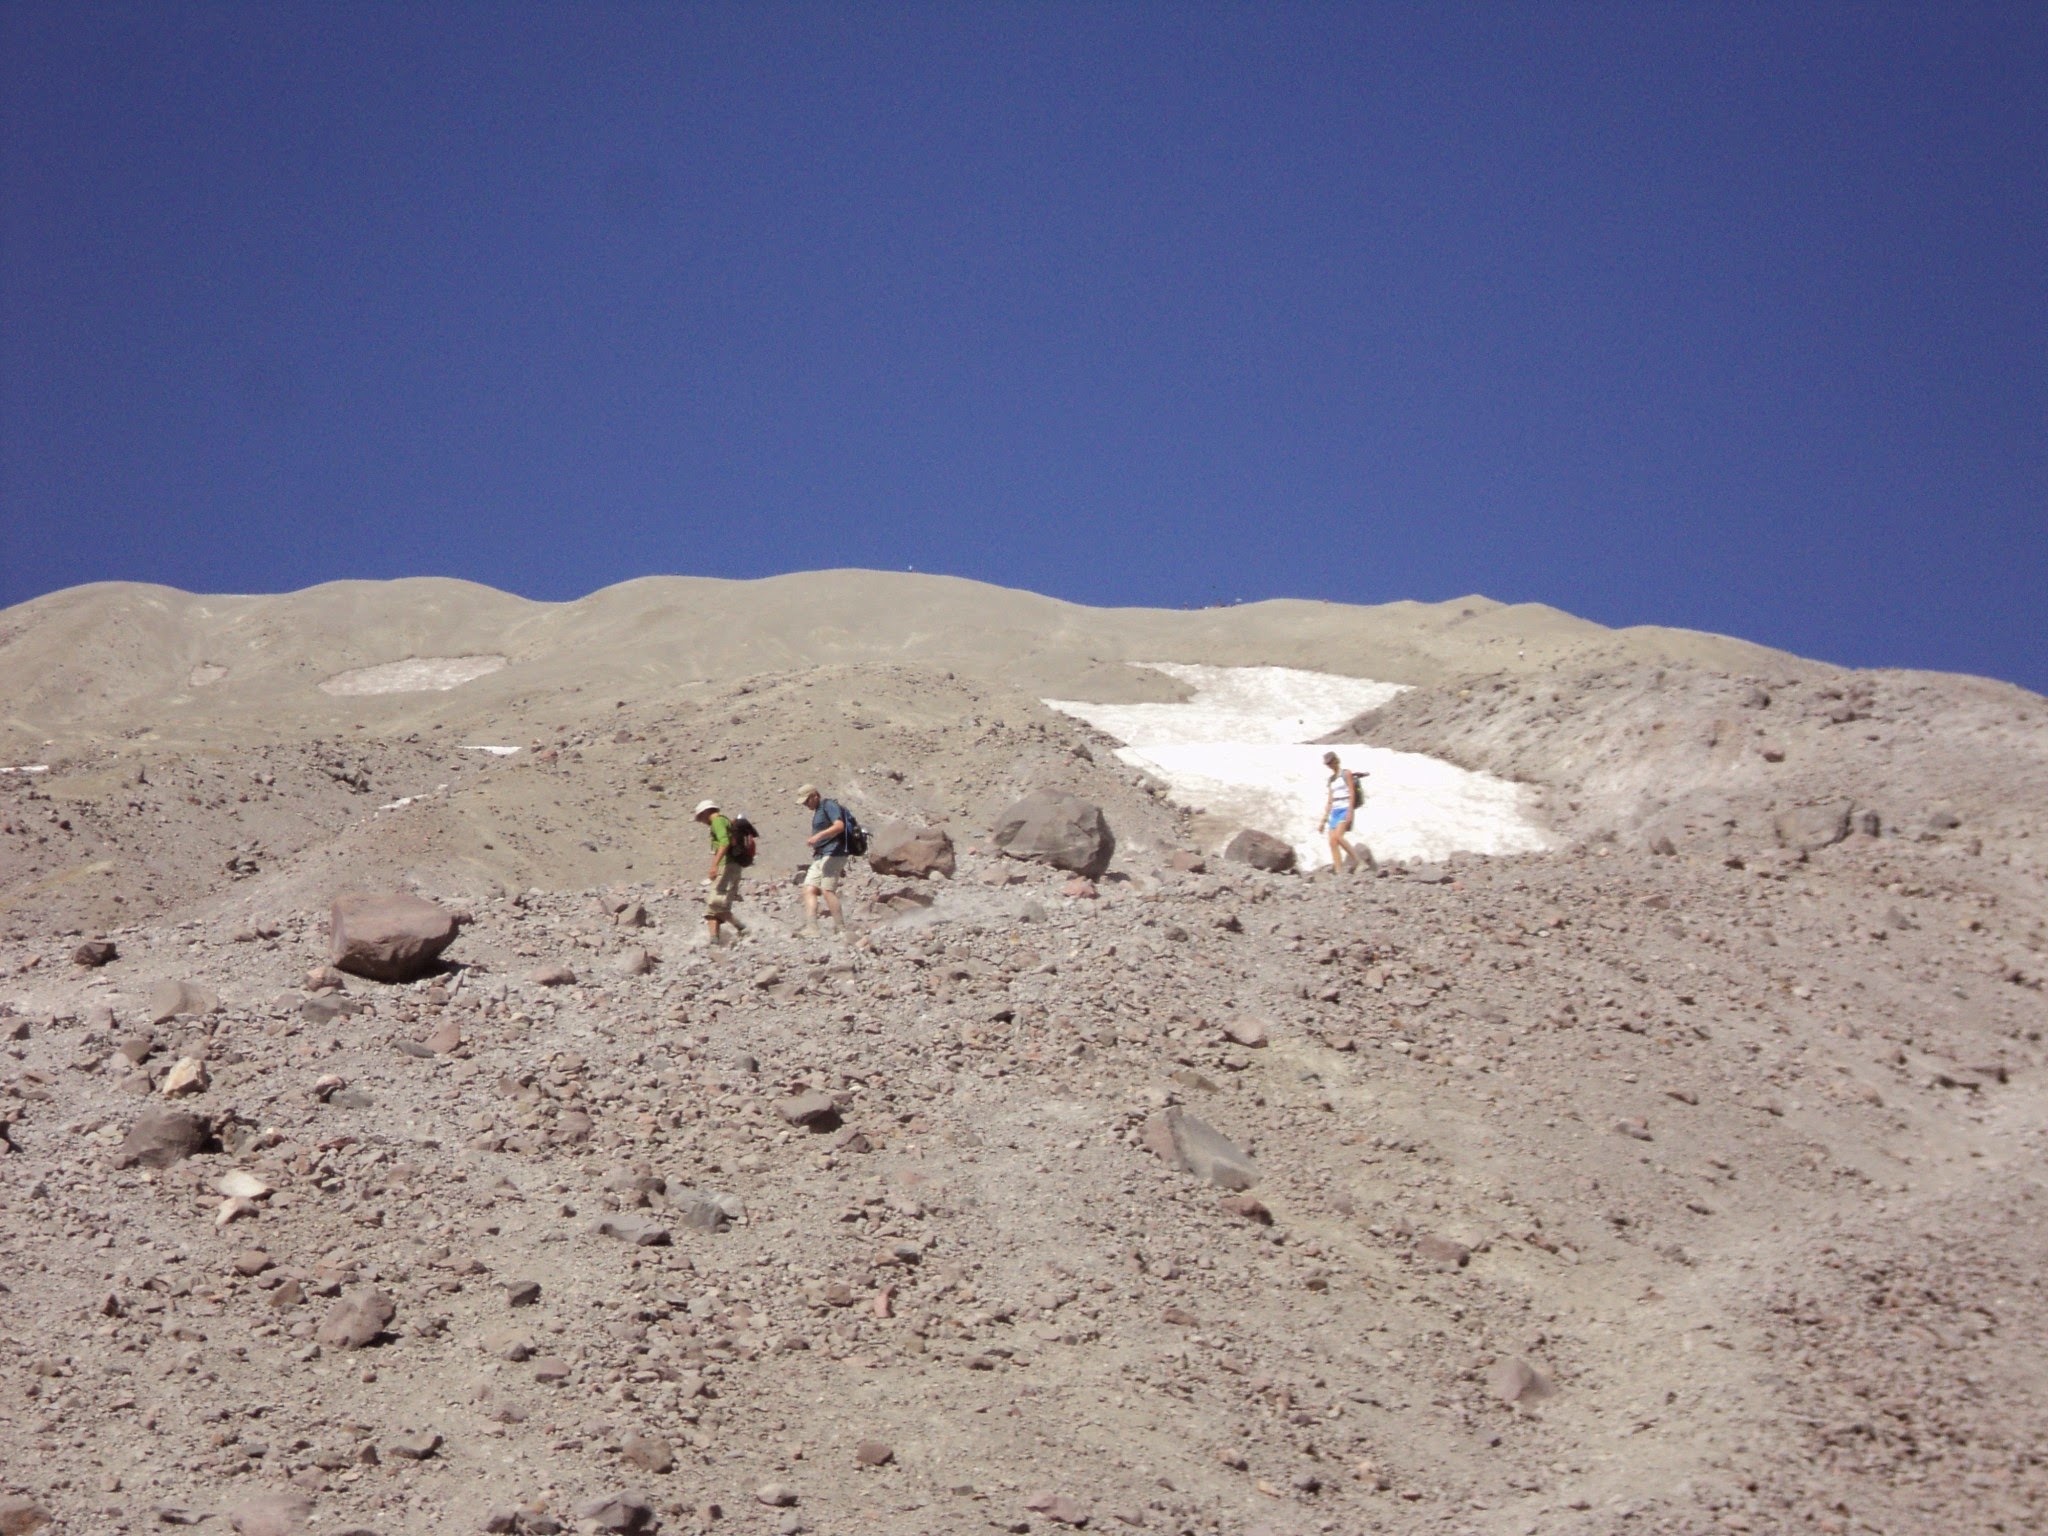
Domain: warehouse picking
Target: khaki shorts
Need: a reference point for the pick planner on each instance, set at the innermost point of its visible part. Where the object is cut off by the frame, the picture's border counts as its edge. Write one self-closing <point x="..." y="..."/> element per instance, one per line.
<point x="718" y="901"/>
<point x="825" y="871"/>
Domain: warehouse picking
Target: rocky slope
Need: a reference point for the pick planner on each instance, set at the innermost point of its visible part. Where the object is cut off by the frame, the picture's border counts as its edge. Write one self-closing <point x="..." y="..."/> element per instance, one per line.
<point x="1689" y="1179"/>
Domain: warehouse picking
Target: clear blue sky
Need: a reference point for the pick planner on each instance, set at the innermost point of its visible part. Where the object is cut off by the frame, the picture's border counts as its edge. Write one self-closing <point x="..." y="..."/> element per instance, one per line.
<point x="1726" y="315"/>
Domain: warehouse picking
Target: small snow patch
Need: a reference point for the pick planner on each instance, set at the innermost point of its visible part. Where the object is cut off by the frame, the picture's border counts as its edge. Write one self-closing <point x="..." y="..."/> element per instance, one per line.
<point x="1242" y="748"/>
<point x="471" y="746"/>
<point x="416" y="674"/>
<point x="28" y="768"/>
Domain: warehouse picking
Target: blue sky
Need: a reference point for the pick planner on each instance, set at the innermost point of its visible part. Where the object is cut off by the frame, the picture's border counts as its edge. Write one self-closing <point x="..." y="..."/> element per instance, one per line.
<point x="1733" y="317"/>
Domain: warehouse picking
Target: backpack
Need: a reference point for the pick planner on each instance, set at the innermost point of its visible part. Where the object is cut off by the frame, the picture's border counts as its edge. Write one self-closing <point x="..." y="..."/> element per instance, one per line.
<point x="746" y="842"/>
<point x="855" y="834"/>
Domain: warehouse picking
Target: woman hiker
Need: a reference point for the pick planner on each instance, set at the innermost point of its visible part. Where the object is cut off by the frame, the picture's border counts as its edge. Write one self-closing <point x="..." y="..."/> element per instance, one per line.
<point x="1340" y="811"/>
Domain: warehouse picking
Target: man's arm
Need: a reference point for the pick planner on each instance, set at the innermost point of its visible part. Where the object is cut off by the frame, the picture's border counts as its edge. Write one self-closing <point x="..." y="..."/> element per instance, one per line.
<point x="829" y="833"/>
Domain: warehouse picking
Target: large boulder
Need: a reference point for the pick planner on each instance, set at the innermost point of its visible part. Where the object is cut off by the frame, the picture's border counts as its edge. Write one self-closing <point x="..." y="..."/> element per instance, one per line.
<point x="917" y="853"/>
<point x="389" y="936"/>
<point x="1062" y="830"/>
<point x="1261" y="850"/>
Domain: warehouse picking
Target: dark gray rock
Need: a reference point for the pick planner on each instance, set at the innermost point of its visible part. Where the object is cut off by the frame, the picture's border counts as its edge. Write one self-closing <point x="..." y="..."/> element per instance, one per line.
<point x="162" y="1136"/>
<point x="1261" y="850"/>
<point x="1049" y="827"/>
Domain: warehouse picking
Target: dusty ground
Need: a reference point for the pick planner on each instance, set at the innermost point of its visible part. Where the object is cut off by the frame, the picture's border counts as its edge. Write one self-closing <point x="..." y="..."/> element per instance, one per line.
<point x="1737" y="1145"/>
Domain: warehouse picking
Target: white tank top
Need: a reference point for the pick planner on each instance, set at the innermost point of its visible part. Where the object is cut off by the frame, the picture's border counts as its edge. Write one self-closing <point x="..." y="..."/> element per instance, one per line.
<point x="1340" y="791"/>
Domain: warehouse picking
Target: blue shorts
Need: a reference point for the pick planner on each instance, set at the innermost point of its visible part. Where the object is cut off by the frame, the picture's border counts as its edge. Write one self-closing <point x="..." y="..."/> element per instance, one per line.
<point x="1339" y="814"/>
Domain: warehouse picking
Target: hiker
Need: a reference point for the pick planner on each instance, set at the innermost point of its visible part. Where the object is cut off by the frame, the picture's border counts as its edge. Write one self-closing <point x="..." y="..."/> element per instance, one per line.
<point x="1340" y="811"/>
<point x="829" y="849"/>
<point x="724" y="879"/>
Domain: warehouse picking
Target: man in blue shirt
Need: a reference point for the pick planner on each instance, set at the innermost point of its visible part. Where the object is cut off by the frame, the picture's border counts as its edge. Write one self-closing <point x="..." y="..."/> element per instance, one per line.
<point x="828" y="858"/>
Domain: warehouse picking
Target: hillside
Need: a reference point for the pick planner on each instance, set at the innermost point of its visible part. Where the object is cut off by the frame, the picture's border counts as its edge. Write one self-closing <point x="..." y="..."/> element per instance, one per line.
<point x="1684" y="1176"/>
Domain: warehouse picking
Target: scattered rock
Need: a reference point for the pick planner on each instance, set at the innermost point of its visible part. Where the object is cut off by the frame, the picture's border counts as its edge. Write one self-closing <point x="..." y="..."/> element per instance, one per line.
<point x="1247" y="1032"/>
<point x="1517" y="1381"/>
<point x="94" y="953"/>
<point x="910" y="852"/>
<point x="648" y="1452"/>
<point x="1443" y="1250"/>
<point x="1250" y="1207"/>
<point x="417" y="1446"/>
<point x="1182" y="1141"/>
<point x="553" y="976"/>
<point x="621" y="1512"/>
<point x="21" y="1516"/>
<point x="389" y="936"/>
<point x="812" y="1111"/>
<point x="181" y="1000"/>
<point x="160" y="1137"/>
<point x="640" y="1231"/>
<point x="1812" y="827"/>
<point x="187" y="1077"/>
<point x="775" y="1495"/>
<point x="1261" y="850"/>
<point x="272" y="1514"/>
<point x="873" y="1453"/>
<point x="1058" y="1507"/>
<point x="357" y="1320"/>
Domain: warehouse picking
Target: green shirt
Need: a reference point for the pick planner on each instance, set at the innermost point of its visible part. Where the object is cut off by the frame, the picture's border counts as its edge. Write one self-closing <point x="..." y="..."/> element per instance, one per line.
<point x="721" y="831"/>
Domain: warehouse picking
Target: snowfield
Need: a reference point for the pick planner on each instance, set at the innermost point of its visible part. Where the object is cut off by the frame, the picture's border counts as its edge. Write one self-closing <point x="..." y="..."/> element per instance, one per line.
<point x="1240" y="749"/>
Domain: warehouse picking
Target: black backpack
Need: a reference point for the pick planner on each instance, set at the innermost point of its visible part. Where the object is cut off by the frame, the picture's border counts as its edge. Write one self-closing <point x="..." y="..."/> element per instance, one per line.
<point x="854" y="834"/>
<point x="746" y="842"/>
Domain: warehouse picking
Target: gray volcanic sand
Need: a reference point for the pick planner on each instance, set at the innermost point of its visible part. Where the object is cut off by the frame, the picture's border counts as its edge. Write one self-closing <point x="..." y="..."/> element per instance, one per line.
<point x="1725" y="1117"/>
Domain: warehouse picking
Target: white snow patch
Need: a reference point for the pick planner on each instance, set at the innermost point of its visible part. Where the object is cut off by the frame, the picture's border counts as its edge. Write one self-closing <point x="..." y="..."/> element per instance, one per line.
<point x="28" y="768"/>
<point x="1240" y="749"/>
<point x="416" y="674"/>
<point x="404" y="800"/>
<point x="471" y="746"/>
